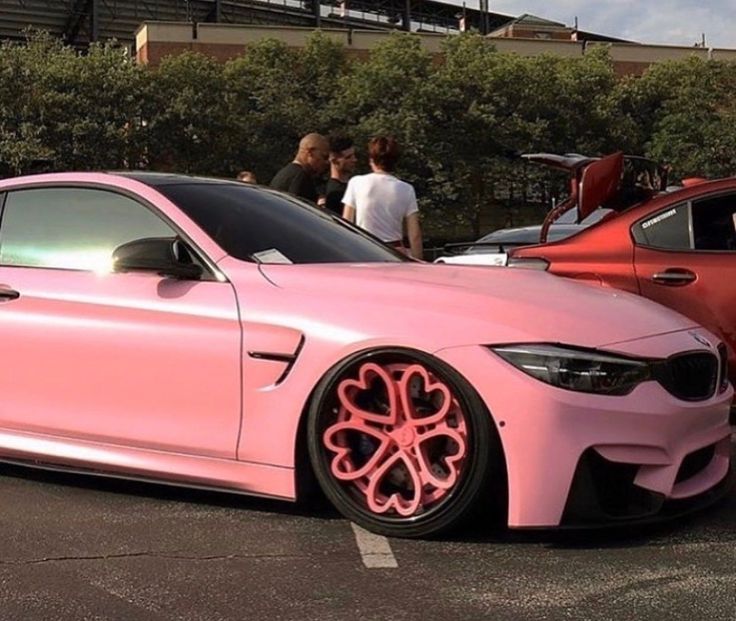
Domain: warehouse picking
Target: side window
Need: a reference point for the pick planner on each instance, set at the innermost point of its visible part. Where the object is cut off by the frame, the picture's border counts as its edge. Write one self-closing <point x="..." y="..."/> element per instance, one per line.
<point x="714" y="223"/>
<point x="72" y="228"/>
<point x="668" y="229"/>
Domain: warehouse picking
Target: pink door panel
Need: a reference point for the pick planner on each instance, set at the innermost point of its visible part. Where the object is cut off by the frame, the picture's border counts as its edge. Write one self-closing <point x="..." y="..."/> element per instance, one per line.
<point x="129" y="359"/>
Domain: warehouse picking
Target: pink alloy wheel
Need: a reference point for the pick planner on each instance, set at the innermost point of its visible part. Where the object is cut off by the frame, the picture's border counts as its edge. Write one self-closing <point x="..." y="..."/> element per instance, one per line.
<point x="400" y="439"/>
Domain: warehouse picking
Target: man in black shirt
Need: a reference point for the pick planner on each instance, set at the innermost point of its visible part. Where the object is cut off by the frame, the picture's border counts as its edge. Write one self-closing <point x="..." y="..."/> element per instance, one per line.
<point x="342" y="167"/>
<point x="298" y="177"/>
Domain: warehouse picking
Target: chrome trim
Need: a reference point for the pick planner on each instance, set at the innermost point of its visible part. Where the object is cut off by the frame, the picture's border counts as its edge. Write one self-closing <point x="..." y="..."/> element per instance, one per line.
<point x="674" y="277"/>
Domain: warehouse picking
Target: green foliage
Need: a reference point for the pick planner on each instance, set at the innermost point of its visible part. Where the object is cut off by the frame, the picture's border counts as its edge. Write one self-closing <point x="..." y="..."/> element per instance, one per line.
<point x="66" y="110"/>
<point x="23" y="102"/>
<point x="276" y="94"/>
<point x="94" y="109"/>
<point x="461" y="120"/>
<point x="685" y="111"/>
<point x="469" y="129"/>
<point x="188" y="122"/>
<point x="696" y="123"/>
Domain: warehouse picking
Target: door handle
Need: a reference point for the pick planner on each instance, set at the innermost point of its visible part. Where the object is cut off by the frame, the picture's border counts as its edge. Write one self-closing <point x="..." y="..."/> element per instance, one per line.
<point x="7" y="294"/>
<point x="674" y="277"/>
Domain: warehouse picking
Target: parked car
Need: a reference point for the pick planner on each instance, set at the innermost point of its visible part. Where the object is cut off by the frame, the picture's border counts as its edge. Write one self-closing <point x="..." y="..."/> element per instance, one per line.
<point x="222" y="335"/>
<point x="677" y="248"/>
<point x="634" y="179"/>
<point x="493" y="248"/>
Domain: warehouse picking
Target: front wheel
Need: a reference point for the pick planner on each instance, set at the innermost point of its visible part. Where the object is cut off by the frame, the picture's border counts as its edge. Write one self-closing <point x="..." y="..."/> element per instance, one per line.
<point x="400" y="443"/>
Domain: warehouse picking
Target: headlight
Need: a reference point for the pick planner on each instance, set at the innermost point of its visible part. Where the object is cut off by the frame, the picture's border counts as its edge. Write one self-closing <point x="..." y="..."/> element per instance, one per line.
<point x="577" y="369"/>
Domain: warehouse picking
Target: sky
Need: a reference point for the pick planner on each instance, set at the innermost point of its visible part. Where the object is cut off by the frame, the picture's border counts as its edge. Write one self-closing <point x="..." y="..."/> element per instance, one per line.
<point x="673" y="22"/>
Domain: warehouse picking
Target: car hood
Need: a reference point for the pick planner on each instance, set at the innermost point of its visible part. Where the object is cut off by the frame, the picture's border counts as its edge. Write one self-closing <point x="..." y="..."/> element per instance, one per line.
<point x="455" y="305"/>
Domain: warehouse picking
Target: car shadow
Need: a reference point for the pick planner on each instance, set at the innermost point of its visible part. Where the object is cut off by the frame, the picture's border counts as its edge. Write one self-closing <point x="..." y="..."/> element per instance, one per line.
<point x="710" y="524"/>
<point x="713" y="523"/>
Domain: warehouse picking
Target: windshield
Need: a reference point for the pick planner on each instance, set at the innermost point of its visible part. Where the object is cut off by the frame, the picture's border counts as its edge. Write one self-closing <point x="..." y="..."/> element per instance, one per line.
<point x="257" y="224"/>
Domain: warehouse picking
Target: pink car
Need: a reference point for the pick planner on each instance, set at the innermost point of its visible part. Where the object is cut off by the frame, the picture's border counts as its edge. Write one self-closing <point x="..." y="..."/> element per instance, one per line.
<point x="221" y="335"/>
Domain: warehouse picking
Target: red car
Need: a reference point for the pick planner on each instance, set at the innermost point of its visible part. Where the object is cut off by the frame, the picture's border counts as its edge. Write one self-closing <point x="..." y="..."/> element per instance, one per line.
<point x="677" y="247"/>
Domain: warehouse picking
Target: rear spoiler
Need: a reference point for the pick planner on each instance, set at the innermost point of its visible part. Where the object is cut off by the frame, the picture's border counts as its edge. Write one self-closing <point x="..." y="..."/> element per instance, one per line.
<point x="616" y="181"/>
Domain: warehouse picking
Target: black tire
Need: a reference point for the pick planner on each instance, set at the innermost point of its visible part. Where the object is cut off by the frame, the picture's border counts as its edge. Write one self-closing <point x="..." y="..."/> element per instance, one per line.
<point x="462" y="456"/>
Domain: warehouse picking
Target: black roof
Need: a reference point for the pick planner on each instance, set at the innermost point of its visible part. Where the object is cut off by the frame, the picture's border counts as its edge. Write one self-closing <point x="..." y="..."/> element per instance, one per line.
<point x="159" y="179"/>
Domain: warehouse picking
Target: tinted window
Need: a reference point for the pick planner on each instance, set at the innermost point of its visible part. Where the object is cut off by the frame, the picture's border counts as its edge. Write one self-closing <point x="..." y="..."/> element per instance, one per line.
<point x="713" y="223"/>
<point x="251" y="223"/>
<point x="668" y="229"/>
<point x="72" y="228"/>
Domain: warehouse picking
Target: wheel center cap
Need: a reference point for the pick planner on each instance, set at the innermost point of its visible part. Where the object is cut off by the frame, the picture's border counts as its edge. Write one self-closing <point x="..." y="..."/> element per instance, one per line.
<point x="404" y="436"/>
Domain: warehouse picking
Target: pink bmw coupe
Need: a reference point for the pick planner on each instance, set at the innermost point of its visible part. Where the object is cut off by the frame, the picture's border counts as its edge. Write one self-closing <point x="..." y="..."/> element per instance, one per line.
<point x="221" y="335"/>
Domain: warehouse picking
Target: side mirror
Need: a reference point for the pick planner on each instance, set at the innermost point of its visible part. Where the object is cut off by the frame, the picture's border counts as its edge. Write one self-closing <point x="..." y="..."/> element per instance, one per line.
<point x="166" y="256"/>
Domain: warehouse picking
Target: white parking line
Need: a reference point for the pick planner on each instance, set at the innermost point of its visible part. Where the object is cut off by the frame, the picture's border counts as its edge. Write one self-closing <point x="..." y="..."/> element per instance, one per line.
<point x="375" y="550"/>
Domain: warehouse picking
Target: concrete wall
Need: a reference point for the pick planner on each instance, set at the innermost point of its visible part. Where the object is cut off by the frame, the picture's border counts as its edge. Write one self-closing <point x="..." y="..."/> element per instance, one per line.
<point x="535" y="47"/>
<point x="521" y="31"/>
<point x="725" y="55"/>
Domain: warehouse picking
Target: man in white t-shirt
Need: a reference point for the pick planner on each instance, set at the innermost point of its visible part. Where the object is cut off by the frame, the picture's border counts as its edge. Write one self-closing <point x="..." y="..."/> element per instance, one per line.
<point x="382" y="204"/>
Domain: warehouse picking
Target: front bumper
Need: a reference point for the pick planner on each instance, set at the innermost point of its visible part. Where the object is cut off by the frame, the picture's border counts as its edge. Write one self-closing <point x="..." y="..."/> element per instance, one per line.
<point x="604" y="493"/>
<point x="581" y="459"/>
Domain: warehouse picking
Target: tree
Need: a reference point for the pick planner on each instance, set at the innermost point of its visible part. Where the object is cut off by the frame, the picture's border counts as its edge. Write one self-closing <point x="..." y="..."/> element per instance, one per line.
<point x="468" y="141"/>
<point x="685" y="113"/>
<point x="187" y="124"/>
<point x="276" y="95"/>
<point x="93" y="108"/>
<point x="61" y="110"/>
<point x="391" y="92"/>
<point x="21" y="103"/>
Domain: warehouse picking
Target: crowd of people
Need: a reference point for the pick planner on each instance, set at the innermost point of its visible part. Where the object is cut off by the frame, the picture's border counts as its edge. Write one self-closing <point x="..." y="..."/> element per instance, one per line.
<point x="378" y="202"/>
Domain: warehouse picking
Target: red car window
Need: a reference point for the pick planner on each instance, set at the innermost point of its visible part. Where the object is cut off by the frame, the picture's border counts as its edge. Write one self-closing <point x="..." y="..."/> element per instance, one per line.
<point x="667" y="229"/>
<point x="713" y="223"/>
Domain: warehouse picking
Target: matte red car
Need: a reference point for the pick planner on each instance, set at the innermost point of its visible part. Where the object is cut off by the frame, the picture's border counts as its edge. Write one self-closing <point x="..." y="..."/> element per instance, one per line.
<point x="677" y="247"/>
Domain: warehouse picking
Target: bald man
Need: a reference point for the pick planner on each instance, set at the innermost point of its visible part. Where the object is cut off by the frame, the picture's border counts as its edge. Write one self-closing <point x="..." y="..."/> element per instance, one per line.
<point x="298" y="177"/>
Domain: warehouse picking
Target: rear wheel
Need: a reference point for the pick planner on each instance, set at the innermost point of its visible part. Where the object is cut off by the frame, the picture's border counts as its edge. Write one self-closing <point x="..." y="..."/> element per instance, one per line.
<point x="400" y="443"/>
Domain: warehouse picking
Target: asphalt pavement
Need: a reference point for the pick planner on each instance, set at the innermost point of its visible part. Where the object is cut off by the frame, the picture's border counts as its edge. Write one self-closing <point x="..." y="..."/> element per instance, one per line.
<point x="75" y="547"/>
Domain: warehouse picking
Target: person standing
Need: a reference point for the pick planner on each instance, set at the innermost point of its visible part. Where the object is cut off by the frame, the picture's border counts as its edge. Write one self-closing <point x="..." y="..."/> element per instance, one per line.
<point x="342" y="167"/>
<point x="298" y="177"/>
<point x="381" y="203"/>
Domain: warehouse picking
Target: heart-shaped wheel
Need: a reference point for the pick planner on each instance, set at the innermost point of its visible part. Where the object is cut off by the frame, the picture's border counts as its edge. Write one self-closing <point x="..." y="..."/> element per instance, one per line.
<point x="371" y="396"/>
<point x="395" y="441"/>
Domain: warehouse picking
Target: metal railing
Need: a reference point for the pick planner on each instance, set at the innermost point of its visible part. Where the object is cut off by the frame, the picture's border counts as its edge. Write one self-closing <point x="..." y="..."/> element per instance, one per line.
<point x="81" y="21"/>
